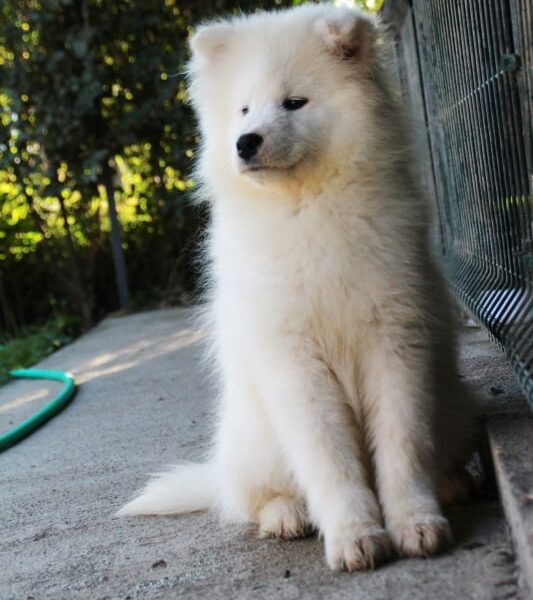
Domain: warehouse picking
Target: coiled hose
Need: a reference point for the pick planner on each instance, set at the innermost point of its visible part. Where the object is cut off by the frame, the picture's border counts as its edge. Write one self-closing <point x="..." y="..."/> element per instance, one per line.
<point x="49" y="410"/>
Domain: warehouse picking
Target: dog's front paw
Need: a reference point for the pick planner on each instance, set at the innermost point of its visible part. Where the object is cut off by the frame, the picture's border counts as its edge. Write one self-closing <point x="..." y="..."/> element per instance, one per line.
<point x="422" y="536"/>
<point x="285" y="518"/>
<point x="357" y="548"/>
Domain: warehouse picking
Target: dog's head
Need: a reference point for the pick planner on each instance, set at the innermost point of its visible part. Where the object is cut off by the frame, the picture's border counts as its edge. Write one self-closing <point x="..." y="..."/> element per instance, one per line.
<point x="281" y="94"/>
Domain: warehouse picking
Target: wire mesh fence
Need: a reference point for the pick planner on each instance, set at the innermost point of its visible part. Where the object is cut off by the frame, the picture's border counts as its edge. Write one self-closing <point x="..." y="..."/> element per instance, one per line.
<point x="466" y="68"/>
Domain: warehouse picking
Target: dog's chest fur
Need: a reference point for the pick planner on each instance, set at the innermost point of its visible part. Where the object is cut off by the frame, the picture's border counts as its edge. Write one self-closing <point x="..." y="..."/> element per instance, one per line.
<point x="321" y="270"/>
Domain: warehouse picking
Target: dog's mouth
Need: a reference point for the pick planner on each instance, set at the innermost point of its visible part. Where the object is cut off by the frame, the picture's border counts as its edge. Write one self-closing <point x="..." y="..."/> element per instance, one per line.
<point x="264" y="169"/>
<point x="252" y="170"/>
<point x="259" y="168"/>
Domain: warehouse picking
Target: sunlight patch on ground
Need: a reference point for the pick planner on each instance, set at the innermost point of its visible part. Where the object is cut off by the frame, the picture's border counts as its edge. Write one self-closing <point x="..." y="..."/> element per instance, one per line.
<point x="109" y="363"/>
<point x="24" y="399"/>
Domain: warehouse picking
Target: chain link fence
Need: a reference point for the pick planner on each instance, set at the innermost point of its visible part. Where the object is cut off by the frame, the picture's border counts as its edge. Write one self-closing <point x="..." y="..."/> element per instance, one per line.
<point x="466" y="70"/>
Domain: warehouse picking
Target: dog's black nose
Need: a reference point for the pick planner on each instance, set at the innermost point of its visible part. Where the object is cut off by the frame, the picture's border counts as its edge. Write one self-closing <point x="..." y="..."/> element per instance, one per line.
<point x="248" y="145"/>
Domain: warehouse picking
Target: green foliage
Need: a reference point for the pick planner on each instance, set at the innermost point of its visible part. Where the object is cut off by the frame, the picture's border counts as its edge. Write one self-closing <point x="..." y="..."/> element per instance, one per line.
<point x="35" y="344"/>
<point x="86" y="84"/>
<point x="370" y="5"/>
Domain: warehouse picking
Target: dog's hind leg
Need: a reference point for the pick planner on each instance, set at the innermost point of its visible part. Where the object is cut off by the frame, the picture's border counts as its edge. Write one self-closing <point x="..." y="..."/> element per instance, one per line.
<point x="254" y="482"/>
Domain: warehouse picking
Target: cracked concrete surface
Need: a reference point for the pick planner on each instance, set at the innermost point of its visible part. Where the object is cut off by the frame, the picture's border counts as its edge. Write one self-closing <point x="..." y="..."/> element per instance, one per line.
<point x="144" y="402"/>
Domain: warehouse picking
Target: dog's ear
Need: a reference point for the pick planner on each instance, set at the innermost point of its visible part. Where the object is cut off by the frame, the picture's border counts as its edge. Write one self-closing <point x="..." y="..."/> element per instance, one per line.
<point x="349" y="35"/>
<point x="210" y="40"/>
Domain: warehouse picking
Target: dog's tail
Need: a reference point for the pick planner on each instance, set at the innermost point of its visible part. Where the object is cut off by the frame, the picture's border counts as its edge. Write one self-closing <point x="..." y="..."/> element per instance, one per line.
<point x="184" y="488"/>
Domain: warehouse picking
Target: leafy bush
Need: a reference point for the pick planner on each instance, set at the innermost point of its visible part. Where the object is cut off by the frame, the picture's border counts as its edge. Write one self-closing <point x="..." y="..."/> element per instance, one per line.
<point x="36" y="343"/>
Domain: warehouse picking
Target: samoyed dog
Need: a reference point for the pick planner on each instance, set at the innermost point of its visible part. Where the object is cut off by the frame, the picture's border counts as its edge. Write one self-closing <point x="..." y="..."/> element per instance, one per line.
<point x="340" y="407"/>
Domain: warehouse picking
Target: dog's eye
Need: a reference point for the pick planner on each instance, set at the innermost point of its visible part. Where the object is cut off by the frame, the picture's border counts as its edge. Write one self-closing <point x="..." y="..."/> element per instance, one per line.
<point x="244" y="110"/>
<point x="294" y="103"/>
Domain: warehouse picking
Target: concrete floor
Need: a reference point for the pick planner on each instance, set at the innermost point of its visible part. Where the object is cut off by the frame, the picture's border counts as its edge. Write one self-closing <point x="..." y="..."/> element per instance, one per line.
<point x="145" y="401"/>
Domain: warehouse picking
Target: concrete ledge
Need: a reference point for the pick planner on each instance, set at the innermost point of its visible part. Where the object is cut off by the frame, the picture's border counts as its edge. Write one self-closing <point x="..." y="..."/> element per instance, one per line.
<point x="509" y="429"/>
<point x="511" y="442"/>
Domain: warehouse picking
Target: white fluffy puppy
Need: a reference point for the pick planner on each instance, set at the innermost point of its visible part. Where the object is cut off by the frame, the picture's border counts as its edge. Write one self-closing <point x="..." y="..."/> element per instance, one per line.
<point x="340" y="407"/>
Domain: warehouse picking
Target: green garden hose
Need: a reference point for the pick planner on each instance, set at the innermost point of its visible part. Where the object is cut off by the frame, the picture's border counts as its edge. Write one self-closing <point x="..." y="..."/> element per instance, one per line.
<point x="49" y="410"/>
